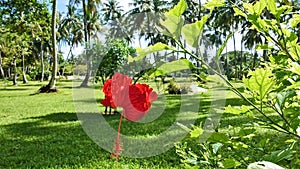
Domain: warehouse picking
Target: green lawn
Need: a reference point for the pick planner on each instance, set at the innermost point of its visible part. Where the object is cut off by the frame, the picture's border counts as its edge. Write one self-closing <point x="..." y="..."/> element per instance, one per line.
<point x="43" y="130"/>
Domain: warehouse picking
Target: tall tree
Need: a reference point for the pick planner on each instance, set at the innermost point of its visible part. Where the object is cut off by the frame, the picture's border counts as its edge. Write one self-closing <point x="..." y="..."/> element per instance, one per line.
<point x="51" y="87"/>
<point x="71" y="31"/>
<point x="1" y="60"/>
<point x="144" y="18"/>
<point x="112" y="11"/>
<point x="224" y="19"/>
<point x="90" y="17"/>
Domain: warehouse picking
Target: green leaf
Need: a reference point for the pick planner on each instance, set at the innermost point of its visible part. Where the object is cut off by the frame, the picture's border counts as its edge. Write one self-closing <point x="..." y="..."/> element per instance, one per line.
<point x="271" y="6"/>
<point x="263" y="47"/>
<point x="249" y="8"/>
<point x="230" y="163"/>
<point x="192" y="32"/>
<point x="173" y="20"/>
<point x="237" y="12"/>
<point x="236" y="110"/>
<point x="295" y="85"/>
<point x="173" y="25"/>
<point x="295" y="20"/>
<point x="295" y="68"/>
<point x="214" y="3"/>
<point x="260" y="82"/>
<point x="178" y="9"/>
<point x="216" y="147"/>
<point x="169" y="67"/>
<point x="259" y="6"/>
<point x="220" y="50"/>
<point x="294" y="50"/>
<point x="281" y="98"/>
<point x="143" y="52"/>
<point x="219" y="137"/>
<point x="196" y="132"/>
<point x="244" y="132"/>
<point x="277" y="156"/>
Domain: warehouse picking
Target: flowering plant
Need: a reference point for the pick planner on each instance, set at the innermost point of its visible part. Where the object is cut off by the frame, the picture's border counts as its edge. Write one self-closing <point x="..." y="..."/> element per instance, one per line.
<point x="135" y="99"/>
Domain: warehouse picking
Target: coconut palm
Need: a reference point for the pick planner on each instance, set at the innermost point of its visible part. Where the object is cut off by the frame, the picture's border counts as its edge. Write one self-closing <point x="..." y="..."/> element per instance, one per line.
<point x="51" y="86"/>
<point x="70" y="29"/>
<point x="113" y="18"/>
<point x="111" y="11"/>
<point x="90" y="22"/>
<point x="144" y="17"/>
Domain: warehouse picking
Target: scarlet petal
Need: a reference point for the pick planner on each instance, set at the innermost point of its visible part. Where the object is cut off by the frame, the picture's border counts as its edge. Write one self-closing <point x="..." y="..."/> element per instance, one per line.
<point x="153" y="96"/>
<point x="140" y="96"/>
<point x="120" y="88"/>
<point x="108" y="102"/>
<point x="131" y="114"/>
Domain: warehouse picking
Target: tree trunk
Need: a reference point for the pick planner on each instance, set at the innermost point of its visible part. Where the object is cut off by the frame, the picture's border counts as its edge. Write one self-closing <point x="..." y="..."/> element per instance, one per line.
<point x="52" y="82"/>
<point x="8" y="73"/>
<point x="234" y="48"/>
<point x="241" y="61"/>
<point x="254" y="60"/>
<point x="88" y="64"/>
<point x="25" y="81"/>
<point x="51" y="85"/>
<point x="265" y="52"/>
<point x="227" y="64"/>
<point x="15" y="82"/>
<point x="1" y="69"/>
<point x="42" y="63"/>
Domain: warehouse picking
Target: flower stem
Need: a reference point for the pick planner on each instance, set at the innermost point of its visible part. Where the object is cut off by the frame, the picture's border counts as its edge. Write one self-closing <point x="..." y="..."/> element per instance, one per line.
<point x="118" y="148"/>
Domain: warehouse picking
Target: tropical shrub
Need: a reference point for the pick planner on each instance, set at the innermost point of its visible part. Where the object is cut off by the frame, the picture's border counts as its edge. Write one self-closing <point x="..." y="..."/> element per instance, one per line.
<point x="272" y="91"/>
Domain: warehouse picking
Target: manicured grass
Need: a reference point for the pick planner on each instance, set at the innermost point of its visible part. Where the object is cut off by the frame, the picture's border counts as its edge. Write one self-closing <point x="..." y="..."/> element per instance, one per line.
<point x="43" y="130"/>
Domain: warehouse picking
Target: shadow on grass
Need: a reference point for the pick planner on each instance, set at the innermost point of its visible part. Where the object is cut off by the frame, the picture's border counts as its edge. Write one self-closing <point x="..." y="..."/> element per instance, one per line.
<point x="57" y="140"/>
<point x="58" y="117"/>
<point x="36" y="145"/>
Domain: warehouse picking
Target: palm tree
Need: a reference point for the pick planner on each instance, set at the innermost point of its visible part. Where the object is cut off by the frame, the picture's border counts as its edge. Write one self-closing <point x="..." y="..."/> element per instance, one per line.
<point x="224" y="19"/>
<point x="111" y="11"/>
<point x="51" y="87"/>
<point x="114" y="18"/>
<point x="71" y="31"/>
<point x="251" y="37"/>
<point x="144" y="18"/>
<point x="2" y="40"/>
<point x="90" y="16"/>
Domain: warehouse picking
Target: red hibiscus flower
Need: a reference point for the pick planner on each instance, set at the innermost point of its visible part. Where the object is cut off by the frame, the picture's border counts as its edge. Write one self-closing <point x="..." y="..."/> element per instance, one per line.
<point x="135" y="99"/>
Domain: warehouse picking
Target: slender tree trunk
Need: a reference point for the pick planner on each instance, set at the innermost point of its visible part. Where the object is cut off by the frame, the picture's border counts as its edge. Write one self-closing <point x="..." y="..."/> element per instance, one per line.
<point x="254" y="60"/>
<point x="265" y="52"/>
<point x="15" y="82"/>
<point x="51" y="85"/>
<point x="88" y="63"/>
<point x="25" y="81"/>
<point x="1" y="69"/>
<point x="241" y="61"/>
<point x="234" y="48"/>
<point x="227" y="64"/>
<point x="8" y="73"/>
<point x="52" y="81"/>
<point x="42" y="63"/>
